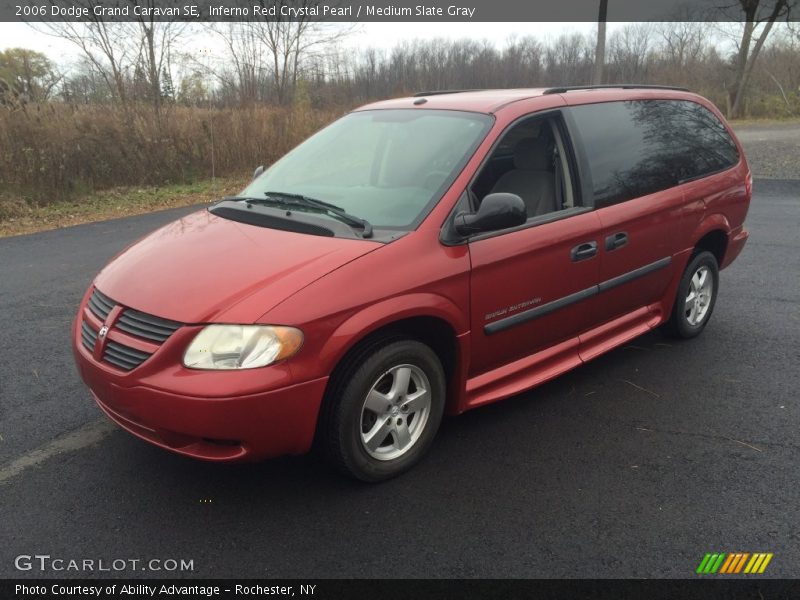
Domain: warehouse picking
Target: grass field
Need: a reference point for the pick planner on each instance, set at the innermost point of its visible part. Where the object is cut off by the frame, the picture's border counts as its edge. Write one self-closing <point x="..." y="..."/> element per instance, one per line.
<point x="110" y="204"/>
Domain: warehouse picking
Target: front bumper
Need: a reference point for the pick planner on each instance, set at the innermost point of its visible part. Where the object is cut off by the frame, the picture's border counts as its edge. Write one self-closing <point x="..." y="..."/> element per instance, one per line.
<point x="211" y="415"/>
<point x="220" y="429"/>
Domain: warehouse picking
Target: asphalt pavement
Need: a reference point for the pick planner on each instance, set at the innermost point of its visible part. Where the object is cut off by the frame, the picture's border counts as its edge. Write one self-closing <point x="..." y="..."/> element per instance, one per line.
<point x="634" y="465"/>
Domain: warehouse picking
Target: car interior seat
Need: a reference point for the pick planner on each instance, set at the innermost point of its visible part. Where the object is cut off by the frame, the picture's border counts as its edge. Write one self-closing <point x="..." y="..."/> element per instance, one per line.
<point x="531" y="178"/>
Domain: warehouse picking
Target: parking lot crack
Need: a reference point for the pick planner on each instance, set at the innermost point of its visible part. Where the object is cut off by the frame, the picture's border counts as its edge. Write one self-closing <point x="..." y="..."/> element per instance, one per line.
<point x="755" y="445"/>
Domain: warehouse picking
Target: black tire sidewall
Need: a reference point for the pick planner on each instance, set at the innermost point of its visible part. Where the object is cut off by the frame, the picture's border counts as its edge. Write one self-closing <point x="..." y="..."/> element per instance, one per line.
<point x="680" y="324"/>
<point x="360" y="464"/>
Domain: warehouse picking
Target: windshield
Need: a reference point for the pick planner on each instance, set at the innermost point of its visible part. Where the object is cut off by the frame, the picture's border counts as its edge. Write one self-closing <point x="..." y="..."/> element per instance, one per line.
<point x="385" y="166"/>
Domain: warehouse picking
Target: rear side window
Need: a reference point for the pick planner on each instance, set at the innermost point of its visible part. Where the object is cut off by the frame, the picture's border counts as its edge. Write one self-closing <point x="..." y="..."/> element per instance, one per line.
<point x="640" y="147"/>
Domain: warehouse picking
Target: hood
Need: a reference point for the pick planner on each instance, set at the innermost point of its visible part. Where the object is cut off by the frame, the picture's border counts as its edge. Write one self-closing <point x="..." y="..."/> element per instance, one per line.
<point x="204" y="268"/>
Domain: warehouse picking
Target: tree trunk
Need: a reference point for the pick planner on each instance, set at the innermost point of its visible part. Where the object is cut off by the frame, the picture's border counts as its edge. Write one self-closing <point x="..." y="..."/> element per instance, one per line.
<point x="600" y="48"/>
<point x="746" y="60"/>
<point x="783" y="94"/>
<point x="153" y="71"/>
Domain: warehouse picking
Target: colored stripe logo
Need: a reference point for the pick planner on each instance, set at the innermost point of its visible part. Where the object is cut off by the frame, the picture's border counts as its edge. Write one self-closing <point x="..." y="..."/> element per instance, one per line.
<point x="731" y="563"/>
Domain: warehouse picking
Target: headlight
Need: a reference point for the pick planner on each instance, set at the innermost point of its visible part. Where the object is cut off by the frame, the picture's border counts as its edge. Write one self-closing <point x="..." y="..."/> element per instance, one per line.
<point x="241" y="346"/>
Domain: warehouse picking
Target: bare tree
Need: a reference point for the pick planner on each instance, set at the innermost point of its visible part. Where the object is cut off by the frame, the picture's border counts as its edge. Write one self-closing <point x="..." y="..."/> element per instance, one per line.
<point x="116" y="50"/>
<point x="759" y="18"/>
<point x="104" y="45"/>
<point x="85" y="85"/>
<point x="291" y="42"/>
<point x="569" y="59"/>
<point x="300" y="61"/>
<point x="629" y="52"/>
<point x="155" y="42"/>
<point x="522" y="62"/>
<point x="682" y="43"/>
<point x="246" y="72"/>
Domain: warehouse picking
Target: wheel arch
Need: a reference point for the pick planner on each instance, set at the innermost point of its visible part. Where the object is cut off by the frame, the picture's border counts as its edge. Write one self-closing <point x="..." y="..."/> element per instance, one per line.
<point x="431" y="319"/>
<point x="712" y="234"/>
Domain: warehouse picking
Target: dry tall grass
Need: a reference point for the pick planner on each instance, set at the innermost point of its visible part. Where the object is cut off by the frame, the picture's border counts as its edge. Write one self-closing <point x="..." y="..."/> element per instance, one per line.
<point x="52" y="152"/>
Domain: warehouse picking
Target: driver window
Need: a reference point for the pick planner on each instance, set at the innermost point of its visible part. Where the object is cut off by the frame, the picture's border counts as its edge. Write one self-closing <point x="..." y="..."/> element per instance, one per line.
<point x="531" y="162"/>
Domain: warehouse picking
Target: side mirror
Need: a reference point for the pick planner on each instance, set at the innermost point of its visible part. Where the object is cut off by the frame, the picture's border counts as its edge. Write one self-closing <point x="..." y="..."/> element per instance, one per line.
<point x="497" y="211"/>
<point x="258" y="171"/>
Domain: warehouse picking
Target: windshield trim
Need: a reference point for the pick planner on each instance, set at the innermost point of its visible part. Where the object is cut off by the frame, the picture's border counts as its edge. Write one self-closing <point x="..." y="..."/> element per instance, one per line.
<point x="421" y="109"/>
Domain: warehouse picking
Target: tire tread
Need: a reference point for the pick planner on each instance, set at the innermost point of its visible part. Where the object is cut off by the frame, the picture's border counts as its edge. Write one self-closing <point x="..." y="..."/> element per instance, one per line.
<point x="674" y="326"/>
<point x="330" y="421"/>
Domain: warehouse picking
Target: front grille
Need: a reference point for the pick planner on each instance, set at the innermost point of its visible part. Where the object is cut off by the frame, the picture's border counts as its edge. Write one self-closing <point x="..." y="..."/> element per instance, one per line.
<point x="132" y="322"/>
<point x="146" y="326"/>
<point x="124" y="357"/>
<point x="100" y="304"/>
<point x="88" y="336"/>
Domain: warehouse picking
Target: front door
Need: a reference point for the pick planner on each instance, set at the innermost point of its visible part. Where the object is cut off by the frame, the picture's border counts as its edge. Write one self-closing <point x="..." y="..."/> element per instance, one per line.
<point x="531" y="287"/>
<point x="531" y="290"/>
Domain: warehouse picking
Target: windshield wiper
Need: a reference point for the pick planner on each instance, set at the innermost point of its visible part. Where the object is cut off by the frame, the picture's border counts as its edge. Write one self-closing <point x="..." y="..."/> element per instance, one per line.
<point x="331" y="209"/>
<point x="246" y="199"/>
<point x="288" y="199"/>
<point x="305" y="199"/>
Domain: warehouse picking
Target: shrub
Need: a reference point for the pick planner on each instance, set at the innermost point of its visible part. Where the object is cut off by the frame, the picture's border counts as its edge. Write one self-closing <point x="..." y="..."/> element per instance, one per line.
<point x="53" y="151"/>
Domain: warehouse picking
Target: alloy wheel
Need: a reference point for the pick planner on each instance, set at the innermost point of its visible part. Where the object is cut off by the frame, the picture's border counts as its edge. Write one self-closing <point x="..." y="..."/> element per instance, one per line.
<point x="698" y="299"/>
<point x="395" y="412"/>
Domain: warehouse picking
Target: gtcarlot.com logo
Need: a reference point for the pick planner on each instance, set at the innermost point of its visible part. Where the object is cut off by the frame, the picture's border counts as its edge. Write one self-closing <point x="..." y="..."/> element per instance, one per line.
<point x="45" y="562"/>
<point x="734" y="563"/>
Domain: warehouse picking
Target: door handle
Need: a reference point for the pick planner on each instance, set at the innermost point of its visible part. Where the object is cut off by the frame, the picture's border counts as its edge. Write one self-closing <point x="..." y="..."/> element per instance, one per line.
<point x="583" y="251"/>
<point x="616" y="240"/>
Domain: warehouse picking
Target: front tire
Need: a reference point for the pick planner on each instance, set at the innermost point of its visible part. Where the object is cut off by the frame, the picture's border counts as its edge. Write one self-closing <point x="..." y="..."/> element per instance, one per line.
<point x="697" y="294"/>
<point x="384" y="410"/>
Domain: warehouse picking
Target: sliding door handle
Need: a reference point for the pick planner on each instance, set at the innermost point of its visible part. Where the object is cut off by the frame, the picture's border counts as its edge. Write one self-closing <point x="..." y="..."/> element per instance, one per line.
<point x="616" y="240"/>
<point x="583" y="251"/>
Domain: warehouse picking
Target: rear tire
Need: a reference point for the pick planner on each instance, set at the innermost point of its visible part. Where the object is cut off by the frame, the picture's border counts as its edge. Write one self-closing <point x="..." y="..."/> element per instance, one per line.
<point x="383" y="410"/>
<point x="697" y="294"/>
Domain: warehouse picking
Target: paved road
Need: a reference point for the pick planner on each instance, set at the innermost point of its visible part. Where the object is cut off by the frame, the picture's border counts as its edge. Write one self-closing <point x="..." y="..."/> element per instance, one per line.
<point x="632" y="466"/>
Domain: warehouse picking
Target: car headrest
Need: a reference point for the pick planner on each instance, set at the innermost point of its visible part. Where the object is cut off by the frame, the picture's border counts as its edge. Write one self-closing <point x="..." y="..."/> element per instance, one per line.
<point x="532" y="154"/>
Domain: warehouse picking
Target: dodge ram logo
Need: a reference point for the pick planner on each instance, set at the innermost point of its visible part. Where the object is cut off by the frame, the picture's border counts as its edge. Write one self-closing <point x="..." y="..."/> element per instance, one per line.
<point x="103" y="331"/>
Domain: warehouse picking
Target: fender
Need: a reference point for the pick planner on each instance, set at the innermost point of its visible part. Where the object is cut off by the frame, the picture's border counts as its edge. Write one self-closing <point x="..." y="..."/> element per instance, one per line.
<point x="372" y="318"/>
<point x="709" y="224"/>
<point x="712" y="222"/>
<point x="383" y="313"/>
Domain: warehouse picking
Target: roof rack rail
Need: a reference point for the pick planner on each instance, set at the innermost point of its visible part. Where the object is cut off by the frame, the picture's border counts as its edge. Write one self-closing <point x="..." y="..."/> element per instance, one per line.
<point x="624" y="86"/>
<point x="442" y="92"/>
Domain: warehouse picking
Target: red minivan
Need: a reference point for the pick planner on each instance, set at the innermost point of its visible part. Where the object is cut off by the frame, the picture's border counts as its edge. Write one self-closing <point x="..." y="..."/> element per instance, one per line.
<point x="418" y="256"/>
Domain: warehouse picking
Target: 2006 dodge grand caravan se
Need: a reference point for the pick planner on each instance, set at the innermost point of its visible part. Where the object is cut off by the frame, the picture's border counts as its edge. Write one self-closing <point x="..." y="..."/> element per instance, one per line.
<point x="417" y="256"/>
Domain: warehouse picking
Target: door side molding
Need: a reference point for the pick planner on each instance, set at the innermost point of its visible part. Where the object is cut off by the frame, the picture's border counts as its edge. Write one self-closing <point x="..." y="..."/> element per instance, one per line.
<point x="635" y="274"/>
<point x="558" y="304"/>
<point x="539" y="311"/>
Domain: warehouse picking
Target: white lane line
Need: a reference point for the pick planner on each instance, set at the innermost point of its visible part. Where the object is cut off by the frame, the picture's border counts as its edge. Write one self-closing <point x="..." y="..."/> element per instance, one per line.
<point x="84" y="436"/>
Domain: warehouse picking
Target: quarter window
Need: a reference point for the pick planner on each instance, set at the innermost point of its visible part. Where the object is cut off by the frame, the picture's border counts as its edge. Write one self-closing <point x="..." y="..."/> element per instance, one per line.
<point x="635" y="148"/>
